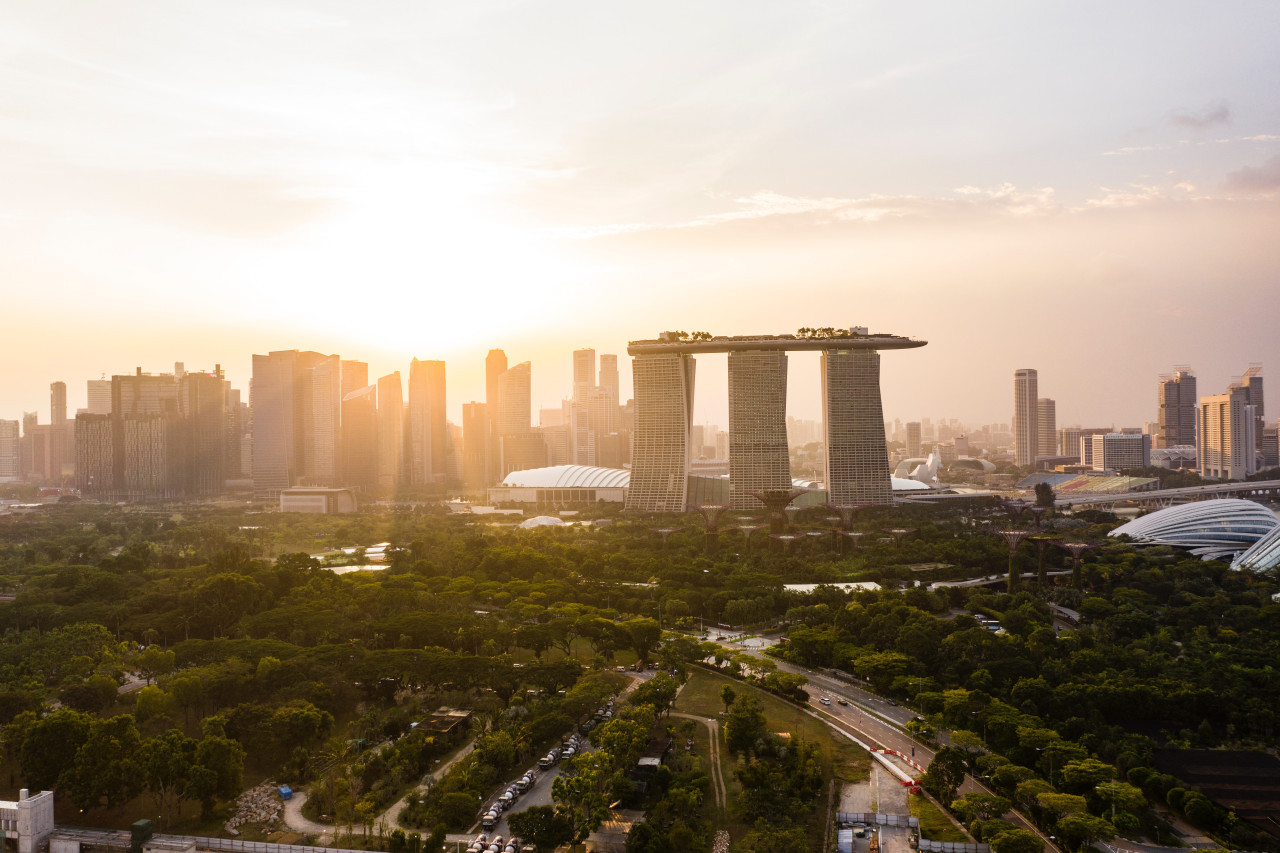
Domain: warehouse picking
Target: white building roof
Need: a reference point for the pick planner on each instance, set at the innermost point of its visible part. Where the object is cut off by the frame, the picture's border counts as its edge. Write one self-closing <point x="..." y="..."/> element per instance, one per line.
<point x="569" y="477"/>
<point x="1214" y="529"/>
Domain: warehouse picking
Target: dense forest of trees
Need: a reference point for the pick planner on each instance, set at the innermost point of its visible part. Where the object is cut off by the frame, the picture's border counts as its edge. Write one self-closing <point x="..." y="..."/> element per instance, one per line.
<point x="257" y="661"/>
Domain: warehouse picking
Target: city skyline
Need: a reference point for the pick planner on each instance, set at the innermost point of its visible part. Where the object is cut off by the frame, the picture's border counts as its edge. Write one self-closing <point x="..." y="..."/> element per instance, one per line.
<point x="983" y="176"/>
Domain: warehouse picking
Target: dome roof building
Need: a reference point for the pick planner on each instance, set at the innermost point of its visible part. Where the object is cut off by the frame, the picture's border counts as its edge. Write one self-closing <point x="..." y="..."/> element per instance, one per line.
<point x="1213" y="529"/>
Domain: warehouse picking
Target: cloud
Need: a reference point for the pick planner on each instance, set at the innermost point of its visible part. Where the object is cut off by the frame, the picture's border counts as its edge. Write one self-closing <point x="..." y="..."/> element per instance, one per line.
<point x="1256" y="179"/>
<point x="1005" y="199"/>
<point x="1218" y="112"/>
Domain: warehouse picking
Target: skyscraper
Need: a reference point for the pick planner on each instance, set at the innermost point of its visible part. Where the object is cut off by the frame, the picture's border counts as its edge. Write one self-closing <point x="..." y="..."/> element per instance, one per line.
<point x="10" y="455"/>
<point x="95" y="455"/>
<point x="360" y="438"/>
<point x="427" y="441"/>
<point x="584" y="386"/>
<point x="664" y="385"/>
<point x="1228" y="446"/>
<point x="475" y="446"/>
<point x="322" y="422"/>
<point x="913" y="439"/>
<point x="1251" y="382"/>
<point x="857" y="458"/>
<point x="1047" y="427"/>
<point x="202" y="402"/>
<point x="58" y="403"/>
<point x="520" y="447"/>
<point x="1176" y="418"/>
<point x="758" y="457"/>
<point x="276" y="400"/>
<point x="99" y="396"/>
<point x="390" y="431"/>
<point x="495" y="364"/>
<point x="1026" y="422"/>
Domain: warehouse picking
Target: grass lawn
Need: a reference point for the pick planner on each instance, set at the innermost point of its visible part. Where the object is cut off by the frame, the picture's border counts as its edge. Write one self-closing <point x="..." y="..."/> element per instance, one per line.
<point x="934" y="824"/>
<point x="844" y="760"/>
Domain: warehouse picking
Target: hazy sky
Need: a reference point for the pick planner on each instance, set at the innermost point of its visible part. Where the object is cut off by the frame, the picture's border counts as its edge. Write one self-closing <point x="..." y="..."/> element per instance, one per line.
<point x="1090" y="189"/>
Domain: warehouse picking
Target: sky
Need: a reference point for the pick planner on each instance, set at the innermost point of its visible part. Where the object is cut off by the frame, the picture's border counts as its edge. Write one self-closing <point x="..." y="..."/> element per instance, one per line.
<point x="1090" y="189"/>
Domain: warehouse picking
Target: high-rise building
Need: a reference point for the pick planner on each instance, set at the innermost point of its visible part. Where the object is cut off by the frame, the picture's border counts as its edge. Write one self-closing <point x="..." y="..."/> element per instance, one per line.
<point x="427" y="439"/>
<point x="1069" y="439"/>
<point x="276" y="401"/>
<point x="10" y="452"/>
<point x="520" y="448"/>
<point x="609" y="378"/>
<point x="1047" y="427"/>
<point x="355" y="376"/>
<point x="1117" y="451"/>
<point x="1026" y="422"/>
<point x="475" y="444"/>
<point x="663" y="385"/>
<point x="99" y="396"/>
<point x="1176" y="418"/>
<point x="58" y="403"/>
<point x="390" y="431"/>
<point x="95" y="455"/>
<point x="1251" y="382"/>
<point x="360" y="438"/>
<point x="202" y="402"/>
<point x="758" y="457"/>
<point x="495" y="364"/>
<point x="322" y="423"/>
<point x="857" y="458"/>
<point x="913" y="439"/>
<point x="584" y="386"/>
<point x="1227" y="448"/>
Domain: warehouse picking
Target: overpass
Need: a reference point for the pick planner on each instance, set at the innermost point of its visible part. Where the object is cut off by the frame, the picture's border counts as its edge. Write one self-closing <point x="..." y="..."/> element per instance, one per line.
<point x="1268" y="490"/>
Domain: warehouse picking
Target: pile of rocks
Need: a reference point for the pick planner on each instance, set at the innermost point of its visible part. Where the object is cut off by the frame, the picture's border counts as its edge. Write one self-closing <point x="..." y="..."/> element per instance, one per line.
<point x="260" y="804"/>
<point x="721" y="843"/>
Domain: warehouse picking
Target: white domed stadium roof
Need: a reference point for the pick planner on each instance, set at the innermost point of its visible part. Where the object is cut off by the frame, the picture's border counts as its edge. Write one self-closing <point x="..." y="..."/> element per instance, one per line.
<point x="569" y="477"/>
<point x="541" y="521"/>
<point x="1213" y="529"/>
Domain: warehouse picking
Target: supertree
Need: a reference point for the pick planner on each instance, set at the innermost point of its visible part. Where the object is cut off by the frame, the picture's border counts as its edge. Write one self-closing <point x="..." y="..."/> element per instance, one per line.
<point x="775" y="503"/>
<point x="1013" y="538"/>
<point x="711" y="515"/>
<point x="1077" y="551"/>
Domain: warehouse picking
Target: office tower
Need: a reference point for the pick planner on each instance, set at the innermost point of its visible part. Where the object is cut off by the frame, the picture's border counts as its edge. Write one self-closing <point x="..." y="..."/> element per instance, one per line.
<point x="276" y="401"/>
<point x="663" y="385"/>
<point x="1271" y="447"/>
<point x="1176" y="398"/>
<point x="520" y="448"/>
<point x="10" y="452"/>
<point x="962" y="445"/>
<point x="1118" y="451"/>
<point x="584" y="370"/>
<point x="1251" y="382"/>
<point x="1227" y="445"/>
<point x="475" y="448"/>
<point x="99" y="396"/>
<point x="1047" y="427"/>
<point x="758" y="457"/>
<point x="1026" y="425"/>
<point x="857" y="459"/>
<point x="58" y="403"/>
<point x="322" y="422"/>
<point x="495" y="364"/>
<point x="390" y="431"/>
<point x="1069" y="439"/>
<point x="26" y="445"/>
<point x="355" y="376"/>
<point x="584" y="385"/>
<point x="95" y="455"/>
<point x="202" y="400"/>
<point x="452" y="454"/>
<point x="609" y="379"/>
<point x="913" y="439"/>
<point x="427" y="439"/>
<point x="237" y="428"/>
<point x="360" y="438"/>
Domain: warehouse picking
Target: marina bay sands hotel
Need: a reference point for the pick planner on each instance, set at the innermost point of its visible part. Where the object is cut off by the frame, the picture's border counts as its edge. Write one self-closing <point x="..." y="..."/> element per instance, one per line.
<point x="857" y="463"/>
